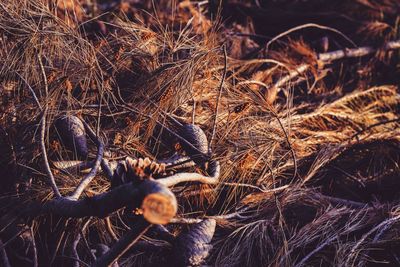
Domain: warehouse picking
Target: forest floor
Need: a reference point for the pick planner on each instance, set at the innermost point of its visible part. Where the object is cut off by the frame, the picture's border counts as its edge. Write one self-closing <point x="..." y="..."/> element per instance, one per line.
<point x="286" y="115"/>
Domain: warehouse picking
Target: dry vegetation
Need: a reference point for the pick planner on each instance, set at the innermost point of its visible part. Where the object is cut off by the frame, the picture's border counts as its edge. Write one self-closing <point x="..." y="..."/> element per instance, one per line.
<point x="299" y="101"/>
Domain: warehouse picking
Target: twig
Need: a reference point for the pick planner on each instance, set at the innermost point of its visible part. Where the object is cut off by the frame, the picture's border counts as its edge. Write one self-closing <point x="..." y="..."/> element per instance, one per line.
<point x="237" y="214"/>
<point x="366" y="235"/>
<point x="356" y="52"/>
<point x="3" y="245"/>
<point x="288" y="143"/>
<point x="123" y="244"/>
<point x="193" y="177"/>
<point x="296" y="72"/>
<point x="4" y="258"/>
<point x="34" y="248"/>
<point x="92" y="174"/>
<point x="316" y="250"/>
<point x="372" y="126"/>
<point x="376" y="238"/>
<point x="329" y="57"/>
<point x="308" y="25"/>
<point x="74" y="253"/>
<point x="32" y="91"/>
<point x="107" y="222"/>
<point x="44" y="153"/>
<point x="43" y="133"/>
<point x="244" y="185"/>
<point x="345" y="202"/>
<point x="219" y="95"/>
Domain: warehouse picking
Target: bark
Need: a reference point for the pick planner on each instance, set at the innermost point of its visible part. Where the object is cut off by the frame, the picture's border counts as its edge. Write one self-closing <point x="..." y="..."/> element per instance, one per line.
<point x="157" y="201"/>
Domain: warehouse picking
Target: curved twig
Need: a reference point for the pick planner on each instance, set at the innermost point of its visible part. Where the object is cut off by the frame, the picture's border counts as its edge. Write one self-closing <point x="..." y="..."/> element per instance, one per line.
<point x="92" y="174"/>
<point x="53" y="184"/>
<point x="193" y="177"/>
<point x="308" y="25"/>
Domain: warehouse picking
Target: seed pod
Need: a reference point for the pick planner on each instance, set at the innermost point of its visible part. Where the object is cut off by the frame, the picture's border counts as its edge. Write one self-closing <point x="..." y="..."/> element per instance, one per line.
<point x="195" y="137"/>
<point x="193" y="246"/>
<point x="73" y="135"/>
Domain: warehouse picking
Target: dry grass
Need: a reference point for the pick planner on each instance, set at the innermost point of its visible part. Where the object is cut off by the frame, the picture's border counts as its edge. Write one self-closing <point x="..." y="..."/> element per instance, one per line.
<point x="330" y="137"/>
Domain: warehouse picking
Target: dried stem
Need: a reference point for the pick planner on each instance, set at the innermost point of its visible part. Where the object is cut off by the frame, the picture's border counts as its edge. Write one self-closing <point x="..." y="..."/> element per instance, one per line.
<point x="92" y="174"/>
<point x="4" y="258"/>
<point x="34" y="248"/>
<point x="193" y="177"/>
<point x="221" y="86"/>
<point x="329" y="57"/>
<point x="308" y="25"/>
<point x="74" y="253"/>
<point x="356" y="52"/>
<point x="383" y="224"/>
<point x="123" y="244"/>
<point x="32" y="91"/>
<point x="316" y="250"/>
<point x="43" y="133"/>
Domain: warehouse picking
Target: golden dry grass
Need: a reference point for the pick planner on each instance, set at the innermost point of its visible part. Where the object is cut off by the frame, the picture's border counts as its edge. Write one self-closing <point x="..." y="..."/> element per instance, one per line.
<point x="291" y="157"/>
